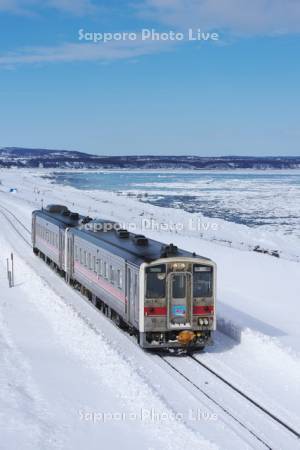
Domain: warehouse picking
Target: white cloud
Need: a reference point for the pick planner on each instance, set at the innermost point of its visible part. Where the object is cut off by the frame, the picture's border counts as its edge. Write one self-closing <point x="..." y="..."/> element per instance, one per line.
<point x="249" y="17"/>
<point x="68" y="52"/>
<point x="77" y="7"/>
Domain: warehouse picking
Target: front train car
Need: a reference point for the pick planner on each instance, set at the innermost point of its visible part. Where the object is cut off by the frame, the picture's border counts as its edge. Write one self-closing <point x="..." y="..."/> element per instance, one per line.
<point x="179" y="308"/>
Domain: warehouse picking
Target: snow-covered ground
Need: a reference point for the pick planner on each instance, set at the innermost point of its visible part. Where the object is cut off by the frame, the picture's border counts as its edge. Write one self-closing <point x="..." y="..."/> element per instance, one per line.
<point x="61" y="359"/>
<point x="61" y="381"/>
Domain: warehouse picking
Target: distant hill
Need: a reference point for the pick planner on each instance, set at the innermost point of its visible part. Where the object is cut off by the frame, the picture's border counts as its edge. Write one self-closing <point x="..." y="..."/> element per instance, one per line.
<point x="31" y="158"/>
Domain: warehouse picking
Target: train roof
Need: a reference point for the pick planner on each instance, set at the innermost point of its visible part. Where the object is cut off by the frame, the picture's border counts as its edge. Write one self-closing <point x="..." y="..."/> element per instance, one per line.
<point x="134" y="248"/>
<point x="60" y="215"/>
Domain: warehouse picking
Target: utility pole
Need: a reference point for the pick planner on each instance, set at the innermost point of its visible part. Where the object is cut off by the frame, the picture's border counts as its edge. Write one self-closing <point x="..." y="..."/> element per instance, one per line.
<point x="10" y="271"/>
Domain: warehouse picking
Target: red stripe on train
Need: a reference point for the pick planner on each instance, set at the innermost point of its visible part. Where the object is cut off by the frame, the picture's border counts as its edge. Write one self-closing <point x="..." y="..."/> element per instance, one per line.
<point x="162" y="310"/>
<point x="104" y="284"/>
<point x="199" y="310"/>
<point x="155" y="310"/>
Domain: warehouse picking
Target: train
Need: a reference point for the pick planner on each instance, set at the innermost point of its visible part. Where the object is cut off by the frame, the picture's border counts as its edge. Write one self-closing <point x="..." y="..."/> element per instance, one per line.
<point x="163" y="295"/>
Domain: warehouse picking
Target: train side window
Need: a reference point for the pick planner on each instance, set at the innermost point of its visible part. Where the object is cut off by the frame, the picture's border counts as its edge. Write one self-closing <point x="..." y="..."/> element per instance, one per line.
<point x="76" y="253"/>
<point x="94" y="264"/>
<point x="81" y="259"/>
<point x="119" y="278"/>
<point x="99" y="262"/>
<point x="105" y="269"/>
<point x="84" y="258"/>
<point x="89" y="261"/>
<point x="111" y="274"/>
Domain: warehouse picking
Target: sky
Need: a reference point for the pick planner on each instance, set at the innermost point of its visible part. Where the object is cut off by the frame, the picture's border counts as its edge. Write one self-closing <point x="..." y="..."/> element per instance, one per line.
<point x="236" y="92"/>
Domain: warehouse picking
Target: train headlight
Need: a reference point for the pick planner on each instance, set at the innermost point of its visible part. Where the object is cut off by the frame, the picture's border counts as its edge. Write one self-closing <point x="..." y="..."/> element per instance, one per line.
<point x="178" y="266"/>
<point x="203" y="321"/>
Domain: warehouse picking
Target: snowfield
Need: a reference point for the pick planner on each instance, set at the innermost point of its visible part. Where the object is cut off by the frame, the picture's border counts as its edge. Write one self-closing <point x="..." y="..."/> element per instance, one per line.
<point x="70" y="379"/>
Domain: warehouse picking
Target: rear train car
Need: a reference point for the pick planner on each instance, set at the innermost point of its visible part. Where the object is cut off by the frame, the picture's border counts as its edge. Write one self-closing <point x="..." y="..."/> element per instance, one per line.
<point x="162" y="294"/>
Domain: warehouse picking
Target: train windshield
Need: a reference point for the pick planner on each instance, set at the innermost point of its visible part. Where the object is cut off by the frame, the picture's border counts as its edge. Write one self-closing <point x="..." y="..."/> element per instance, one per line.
<point x="202" y="281"/>
<point x="179" y="285"/>
<point x="156" y="281"/>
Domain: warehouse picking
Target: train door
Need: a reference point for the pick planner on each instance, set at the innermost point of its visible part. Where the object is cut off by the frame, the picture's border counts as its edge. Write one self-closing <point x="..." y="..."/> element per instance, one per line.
<point x="136" y="297"/>
<point x="180" y="300"/>
<point x="132" y="294"/>
<point x="128" y="291"/>
<point x="61" y="248"/>
<point x="69" y="255"/>
<point x="33" y="230"/>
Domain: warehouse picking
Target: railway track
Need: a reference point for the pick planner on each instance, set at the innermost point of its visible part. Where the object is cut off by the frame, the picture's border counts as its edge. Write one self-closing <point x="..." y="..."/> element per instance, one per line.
<point x="252" y="408"/>
<point x="10" y="217"/>
<point x="24" y="233"/>
<point x="247" y="397"/>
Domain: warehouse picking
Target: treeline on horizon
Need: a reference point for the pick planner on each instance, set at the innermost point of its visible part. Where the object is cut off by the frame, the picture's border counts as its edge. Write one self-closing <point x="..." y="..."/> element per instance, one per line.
<point x="23" y="157"/>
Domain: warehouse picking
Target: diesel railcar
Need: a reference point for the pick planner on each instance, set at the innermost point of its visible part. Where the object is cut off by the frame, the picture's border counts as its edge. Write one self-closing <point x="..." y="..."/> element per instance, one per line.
<point x="162" y="294"/>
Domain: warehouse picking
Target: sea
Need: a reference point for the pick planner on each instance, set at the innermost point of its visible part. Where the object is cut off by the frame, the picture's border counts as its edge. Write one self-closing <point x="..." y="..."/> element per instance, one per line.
<point x="269" y="200"/>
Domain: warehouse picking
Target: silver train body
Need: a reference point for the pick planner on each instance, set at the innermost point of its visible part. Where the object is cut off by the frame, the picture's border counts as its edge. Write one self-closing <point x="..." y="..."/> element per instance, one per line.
<point x="162" y="294"/>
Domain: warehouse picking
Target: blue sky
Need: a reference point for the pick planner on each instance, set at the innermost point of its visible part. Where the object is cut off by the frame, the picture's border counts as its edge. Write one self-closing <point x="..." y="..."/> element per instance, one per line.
<point x="237" y="95"/>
